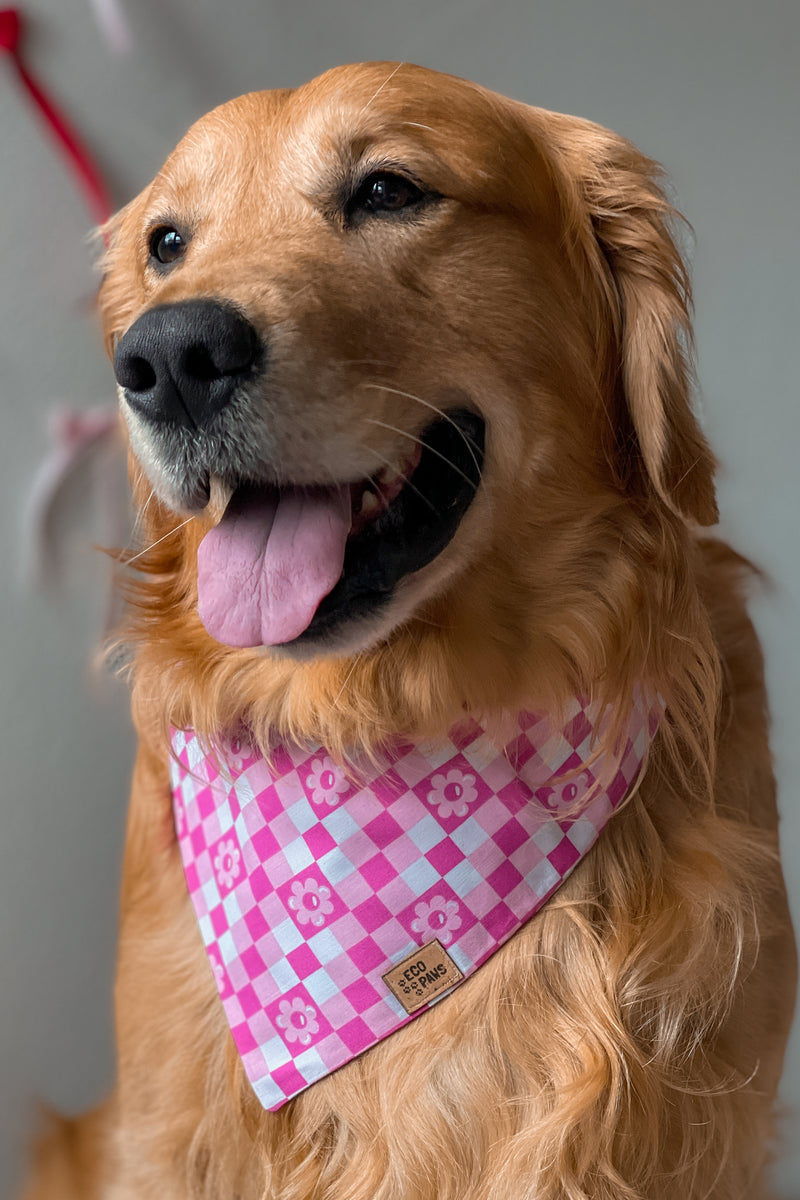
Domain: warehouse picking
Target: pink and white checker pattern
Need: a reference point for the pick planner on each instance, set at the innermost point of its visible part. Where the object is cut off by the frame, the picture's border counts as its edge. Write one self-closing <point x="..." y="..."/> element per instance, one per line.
<point x="309" y="884"/>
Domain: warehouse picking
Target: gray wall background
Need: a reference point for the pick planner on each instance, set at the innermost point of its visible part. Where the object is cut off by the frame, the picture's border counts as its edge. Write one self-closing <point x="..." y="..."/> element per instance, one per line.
<point x="709" y="87"/>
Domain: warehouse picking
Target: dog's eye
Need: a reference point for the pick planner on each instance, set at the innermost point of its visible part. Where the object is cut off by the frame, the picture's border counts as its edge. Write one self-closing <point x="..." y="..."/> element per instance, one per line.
<point x="167" y="245"/>
<point x="385" y="192"/>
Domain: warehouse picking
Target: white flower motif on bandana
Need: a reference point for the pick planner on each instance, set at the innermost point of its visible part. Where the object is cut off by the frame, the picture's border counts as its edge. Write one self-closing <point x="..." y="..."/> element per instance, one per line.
<point x="236" y="750"/>
<point x="563" y="795"/>
<point x="311" y="901"/>
<point x="227" y="863"/>
<point x="451" y="793"/>
<point x="298" y="1020"/>
<point x="326" y="781"/>
<point x="437" y="919"/>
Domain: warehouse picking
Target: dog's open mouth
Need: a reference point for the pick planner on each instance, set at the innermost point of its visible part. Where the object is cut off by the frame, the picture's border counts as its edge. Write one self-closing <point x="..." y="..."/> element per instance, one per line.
<point x="291" y="564"/>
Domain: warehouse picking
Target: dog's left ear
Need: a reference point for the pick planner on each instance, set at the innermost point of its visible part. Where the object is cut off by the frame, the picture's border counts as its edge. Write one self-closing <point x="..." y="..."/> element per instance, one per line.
<point x="621" y="220"/>
<point x="117" y="296"/>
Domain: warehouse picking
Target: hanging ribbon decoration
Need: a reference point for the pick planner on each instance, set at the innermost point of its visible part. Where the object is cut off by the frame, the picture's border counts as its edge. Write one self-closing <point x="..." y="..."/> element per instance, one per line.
<point x="87" y="174"/>
<point x="81" y="440"/>
<point x="111" y="19"/>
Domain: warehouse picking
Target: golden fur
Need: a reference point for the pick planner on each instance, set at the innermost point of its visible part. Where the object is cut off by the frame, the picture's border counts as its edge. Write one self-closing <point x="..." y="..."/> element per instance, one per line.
<point x="627" y="1043"/>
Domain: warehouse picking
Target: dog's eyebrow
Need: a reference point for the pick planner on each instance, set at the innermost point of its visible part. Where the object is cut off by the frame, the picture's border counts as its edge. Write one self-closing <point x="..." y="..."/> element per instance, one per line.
<point x="164" y="216"/>
<point x="356" y="156"/>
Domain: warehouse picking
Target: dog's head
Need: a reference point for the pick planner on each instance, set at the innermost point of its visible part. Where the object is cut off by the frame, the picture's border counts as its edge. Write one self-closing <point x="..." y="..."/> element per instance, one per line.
<point x="411" y="356"/>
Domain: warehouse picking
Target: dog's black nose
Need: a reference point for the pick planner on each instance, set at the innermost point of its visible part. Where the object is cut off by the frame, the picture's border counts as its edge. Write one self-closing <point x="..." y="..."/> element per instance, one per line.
<point x="181" y="363"/>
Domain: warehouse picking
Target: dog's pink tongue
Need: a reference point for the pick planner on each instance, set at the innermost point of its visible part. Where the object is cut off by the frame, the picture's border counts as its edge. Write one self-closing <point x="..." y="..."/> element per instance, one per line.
<point x="263" y="570"/>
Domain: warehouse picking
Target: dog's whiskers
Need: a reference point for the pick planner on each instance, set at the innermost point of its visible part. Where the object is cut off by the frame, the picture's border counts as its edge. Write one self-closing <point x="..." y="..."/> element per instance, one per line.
<point x="137" y="524"/>
<point x="127" y="562"/>
<point x="426" y="621"/>
<point x="412" y="437"/>
<point x="346" y="679"/>
<point x="405" y="478"/>
<point x="140" y="516"/>
<point x="381" y="387"/>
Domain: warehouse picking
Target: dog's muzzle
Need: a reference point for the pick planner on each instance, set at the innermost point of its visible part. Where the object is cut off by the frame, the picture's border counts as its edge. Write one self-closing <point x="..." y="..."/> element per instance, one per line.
<point x="180" y="364"/>
<point x="288" y="562"/>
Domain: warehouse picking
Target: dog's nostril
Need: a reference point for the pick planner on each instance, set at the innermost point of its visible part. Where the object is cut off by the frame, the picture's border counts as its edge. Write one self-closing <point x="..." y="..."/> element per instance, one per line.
<point x="197" y="363"/>
<point x="136" y="374"/>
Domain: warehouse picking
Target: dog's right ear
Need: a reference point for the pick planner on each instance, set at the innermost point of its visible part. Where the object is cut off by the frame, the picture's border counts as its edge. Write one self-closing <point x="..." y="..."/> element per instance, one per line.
<point x="620" y="220"/>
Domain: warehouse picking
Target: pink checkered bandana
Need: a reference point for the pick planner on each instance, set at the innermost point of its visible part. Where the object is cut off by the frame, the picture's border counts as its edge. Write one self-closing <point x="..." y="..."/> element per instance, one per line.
<point x="310" y="883"/>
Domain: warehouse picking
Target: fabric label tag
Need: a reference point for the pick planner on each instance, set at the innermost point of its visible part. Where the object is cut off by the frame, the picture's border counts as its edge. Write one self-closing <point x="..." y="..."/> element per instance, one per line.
<point x="422" y="976"/>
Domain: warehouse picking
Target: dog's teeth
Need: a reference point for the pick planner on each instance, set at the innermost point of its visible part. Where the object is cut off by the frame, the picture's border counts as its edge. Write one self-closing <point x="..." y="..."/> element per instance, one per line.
<point x="369" y="504"/>
<point x="388" y="479"/>
<point x="219" y="495"/>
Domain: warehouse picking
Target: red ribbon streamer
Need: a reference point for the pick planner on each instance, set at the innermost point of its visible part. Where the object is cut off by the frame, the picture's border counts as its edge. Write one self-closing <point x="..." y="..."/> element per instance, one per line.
<point x="89" y="177"/>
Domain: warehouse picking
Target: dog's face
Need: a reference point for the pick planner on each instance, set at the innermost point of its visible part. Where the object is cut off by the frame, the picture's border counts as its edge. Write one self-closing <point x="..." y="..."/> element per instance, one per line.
<point x="375" y="318"/>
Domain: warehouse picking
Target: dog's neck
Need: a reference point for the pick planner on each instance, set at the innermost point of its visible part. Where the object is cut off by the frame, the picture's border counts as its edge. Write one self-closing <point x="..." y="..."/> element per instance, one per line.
<point x="337" y="905"/>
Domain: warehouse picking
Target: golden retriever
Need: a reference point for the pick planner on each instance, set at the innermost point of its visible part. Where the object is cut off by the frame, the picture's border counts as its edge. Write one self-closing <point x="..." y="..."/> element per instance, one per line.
<point x="380" y="253"/>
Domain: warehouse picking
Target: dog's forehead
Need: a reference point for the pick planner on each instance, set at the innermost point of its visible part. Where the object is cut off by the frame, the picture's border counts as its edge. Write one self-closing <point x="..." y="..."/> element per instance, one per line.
<point x="399" y="112"/>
